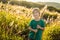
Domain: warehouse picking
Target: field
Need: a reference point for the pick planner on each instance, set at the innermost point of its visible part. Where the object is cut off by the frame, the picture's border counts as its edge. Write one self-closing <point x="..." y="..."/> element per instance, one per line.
<point x="14" y="21"/>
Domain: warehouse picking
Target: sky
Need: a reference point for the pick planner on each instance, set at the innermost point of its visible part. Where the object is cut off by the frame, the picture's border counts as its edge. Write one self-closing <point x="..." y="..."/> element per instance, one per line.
<point x="57" y="1"/>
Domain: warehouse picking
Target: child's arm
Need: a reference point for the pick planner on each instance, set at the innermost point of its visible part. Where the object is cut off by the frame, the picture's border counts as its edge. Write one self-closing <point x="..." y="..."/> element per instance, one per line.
<point x="39" y="27"/>
<point x="34" y="30"/>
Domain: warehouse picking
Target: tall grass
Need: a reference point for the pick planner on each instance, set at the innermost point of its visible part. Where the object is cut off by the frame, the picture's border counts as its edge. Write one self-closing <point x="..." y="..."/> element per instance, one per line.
<point x="15" y="19"/>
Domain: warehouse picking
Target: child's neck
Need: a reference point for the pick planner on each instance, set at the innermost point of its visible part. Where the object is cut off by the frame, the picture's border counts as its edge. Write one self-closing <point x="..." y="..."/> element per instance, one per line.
<point x="37" y="19"/>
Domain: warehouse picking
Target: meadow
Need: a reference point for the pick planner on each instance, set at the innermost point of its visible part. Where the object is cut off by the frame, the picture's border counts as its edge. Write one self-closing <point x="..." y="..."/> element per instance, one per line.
<point x="14" y="23"/>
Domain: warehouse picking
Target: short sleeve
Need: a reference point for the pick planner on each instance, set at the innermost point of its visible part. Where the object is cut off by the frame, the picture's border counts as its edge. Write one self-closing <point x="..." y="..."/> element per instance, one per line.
<point x="30" y="24"/>
<point x="42" y="23"/>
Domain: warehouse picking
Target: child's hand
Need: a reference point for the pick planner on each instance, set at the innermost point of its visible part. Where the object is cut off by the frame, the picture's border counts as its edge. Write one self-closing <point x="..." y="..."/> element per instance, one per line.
<point x="35" y="30"/>
<point x="38" y="26"/>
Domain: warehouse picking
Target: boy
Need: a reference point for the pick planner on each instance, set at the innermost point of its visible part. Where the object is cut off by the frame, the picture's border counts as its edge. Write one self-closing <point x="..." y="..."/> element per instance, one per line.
<point x="36" y="25"/>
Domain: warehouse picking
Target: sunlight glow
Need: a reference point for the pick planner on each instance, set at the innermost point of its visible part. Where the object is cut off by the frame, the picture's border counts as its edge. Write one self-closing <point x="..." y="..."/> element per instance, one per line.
<point x="58" y="1"/>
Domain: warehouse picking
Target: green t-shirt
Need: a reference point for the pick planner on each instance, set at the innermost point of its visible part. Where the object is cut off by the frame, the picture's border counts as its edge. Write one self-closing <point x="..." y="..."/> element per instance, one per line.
<point x="33" y="24"/>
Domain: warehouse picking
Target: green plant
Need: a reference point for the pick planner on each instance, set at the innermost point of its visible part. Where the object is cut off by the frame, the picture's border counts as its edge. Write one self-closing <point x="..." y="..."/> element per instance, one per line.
<point x="51" y="33"/>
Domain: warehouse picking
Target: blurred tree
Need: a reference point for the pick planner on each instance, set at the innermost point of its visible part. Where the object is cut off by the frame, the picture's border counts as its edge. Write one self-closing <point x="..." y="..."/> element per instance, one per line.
<point x="51" y="8"/>
<point x="4" y="1"/>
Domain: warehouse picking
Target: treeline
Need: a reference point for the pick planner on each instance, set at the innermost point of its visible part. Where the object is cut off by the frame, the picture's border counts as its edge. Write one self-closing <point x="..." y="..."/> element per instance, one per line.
<point x="31" y="5"/>
<point x="4" y="1"/>
<point x="53" y="9"/>
<point x="26" y="4"/>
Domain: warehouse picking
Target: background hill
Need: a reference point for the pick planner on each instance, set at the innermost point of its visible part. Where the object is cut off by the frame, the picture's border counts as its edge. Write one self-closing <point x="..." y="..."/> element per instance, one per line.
<point x="51" y="6"/>
<point x="56" y="5"/>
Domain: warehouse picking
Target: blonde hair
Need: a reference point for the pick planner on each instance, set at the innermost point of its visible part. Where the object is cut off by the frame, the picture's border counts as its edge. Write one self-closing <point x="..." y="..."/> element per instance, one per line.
<point x="36" y="9"/>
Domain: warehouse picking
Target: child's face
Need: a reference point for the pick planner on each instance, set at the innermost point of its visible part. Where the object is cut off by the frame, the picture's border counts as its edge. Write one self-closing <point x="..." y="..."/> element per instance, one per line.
<point x="36" y="14"/>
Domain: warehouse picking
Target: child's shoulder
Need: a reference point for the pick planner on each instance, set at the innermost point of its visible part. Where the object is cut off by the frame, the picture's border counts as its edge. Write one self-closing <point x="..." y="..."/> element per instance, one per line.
<point x="42" y="20"/>
<point x="32" y="20"/>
